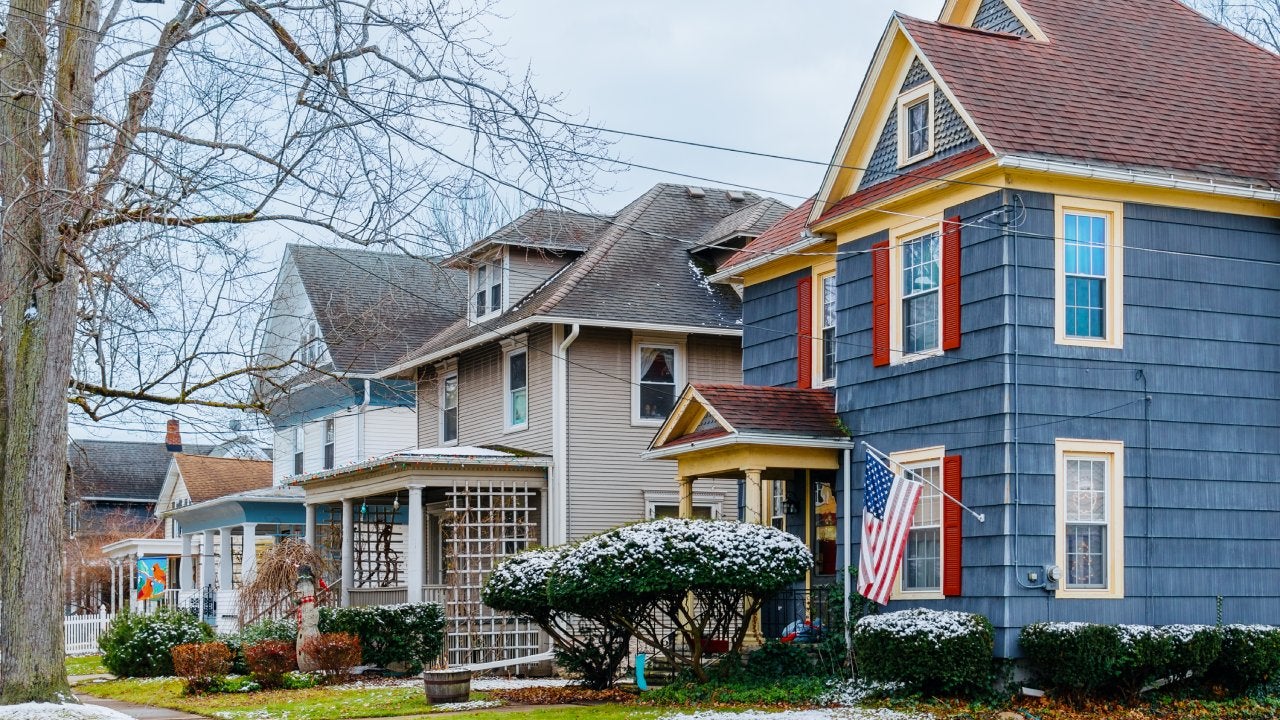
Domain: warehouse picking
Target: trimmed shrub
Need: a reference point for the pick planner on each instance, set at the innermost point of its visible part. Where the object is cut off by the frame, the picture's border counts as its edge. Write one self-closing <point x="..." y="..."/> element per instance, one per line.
<point x="140" y="645"/>
<point x="267" y="629"/>
<point x="1193" y="650"/>
<point x="1077" y="659"/>
<point x="269" y="660"/>
<point x="777" y="659"/>
<point x="335" y="653"/>
<point x="640" y="576"/>
<point x="201" y="665"/>
<point x="411" y="634"/>
<point x="591" y="648"/>
<point x="931" y="652"/>
<point x="1250" y="656"/>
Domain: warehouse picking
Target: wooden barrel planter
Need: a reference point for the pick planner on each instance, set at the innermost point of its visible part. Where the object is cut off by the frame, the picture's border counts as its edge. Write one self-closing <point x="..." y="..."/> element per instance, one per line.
<point x="447" y="686"/>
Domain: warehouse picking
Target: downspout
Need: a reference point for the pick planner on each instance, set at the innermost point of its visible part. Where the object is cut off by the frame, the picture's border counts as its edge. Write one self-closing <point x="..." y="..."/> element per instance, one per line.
<point x="848" y="549"/>
<point x="558" y="533"/>
<point x="364" y="405"/>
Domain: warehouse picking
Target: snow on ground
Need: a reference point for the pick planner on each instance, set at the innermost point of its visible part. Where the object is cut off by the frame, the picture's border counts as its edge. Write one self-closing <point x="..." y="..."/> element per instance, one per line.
<point x="824" y="714"/>
<point x="50" y="711"/>
<point x="483" y="684"/>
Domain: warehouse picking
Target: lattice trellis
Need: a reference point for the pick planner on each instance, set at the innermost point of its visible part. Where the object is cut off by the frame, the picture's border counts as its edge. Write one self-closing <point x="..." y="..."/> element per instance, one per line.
<point x="485" y="521"/>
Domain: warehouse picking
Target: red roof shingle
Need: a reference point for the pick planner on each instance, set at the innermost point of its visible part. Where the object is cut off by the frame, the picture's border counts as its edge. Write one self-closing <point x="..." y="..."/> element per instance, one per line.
<point x="781" y="234"/>
<point x="807" y="412"/>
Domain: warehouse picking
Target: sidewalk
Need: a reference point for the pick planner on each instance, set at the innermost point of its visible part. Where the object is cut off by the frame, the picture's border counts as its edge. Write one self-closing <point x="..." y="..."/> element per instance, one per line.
<point x="134" y="710"/>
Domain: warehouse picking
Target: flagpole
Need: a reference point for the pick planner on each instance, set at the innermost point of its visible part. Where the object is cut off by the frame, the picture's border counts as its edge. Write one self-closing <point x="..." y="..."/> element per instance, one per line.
<point x="848" y="551"/>
<point x="920" y="478"/>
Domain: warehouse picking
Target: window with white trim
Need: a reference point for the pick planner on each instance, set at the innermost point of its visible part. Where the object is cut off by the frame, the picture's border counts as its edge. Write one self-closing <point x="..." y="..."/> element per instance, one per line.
<point x="516" y="396"/>
<point x="1088" y="272"/>
<point x="915" y="124"/>
<point x="487" y="287"/>
<point x="827" y="286"/>
<point x="1090" y="518"/>
<point x="299" y="445"/>
<point x="778" y="504"/>
<point x="921" y="573"/>
<point x="658" y="376"/>
<point x="449" y="408"/>
<point x="330" y="443"/>
<point x="921" y="303"/>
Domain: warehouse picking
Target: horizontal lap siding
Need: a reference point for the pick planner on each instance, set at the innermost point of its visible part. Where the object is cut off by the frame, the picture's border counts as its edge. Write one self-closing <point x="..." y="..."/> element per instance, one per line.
<point x="770" y="348"/>
<point x="607" y="478"/>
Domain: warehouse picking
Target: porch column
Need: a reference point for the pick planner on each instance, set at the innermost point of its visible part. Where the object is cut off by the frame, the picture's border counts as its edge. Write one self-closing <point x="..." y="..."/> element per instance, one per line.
<point x="206" y="558"/>
<point x="248" y="552"/>
<point x="755" y="505"/>
<point x="348" y="550"/>
<point x="186" y="578"/>
<point x="226" y="560"/>
<point x="415" y="546"/>
<point x="131" y="589"/>
<point x="310" y="528"/>
<point x="686" y="496"/>
<point x="115" y="586"/>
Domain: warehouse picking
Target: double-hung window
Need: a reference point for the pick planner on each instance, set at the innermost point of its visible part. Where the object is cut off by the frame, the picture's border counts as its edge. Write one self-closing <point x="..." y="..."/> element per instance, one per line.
<point x="828" y="286"/>
<point x="1088" y="282"/>
<point x="778" y="504"/>
<point x="921" y="296"/>
<point x="923" y="559"/>
<point x="658" y="376"/>
<point x="449" y="408"/>
<point x="486" y="288"/>
<point x="330" y="442"/>
<point x="915" y="124"/>
<point x="1090" y="516"/>
<point x="299" y="446"/>
<point x="516" y="397"/>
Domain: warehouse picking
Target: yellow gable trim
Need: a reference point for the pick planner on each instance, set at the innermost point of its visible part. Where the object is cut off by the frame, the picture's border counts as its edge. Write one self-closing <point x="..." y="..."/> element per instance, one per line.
<point x="733" y="459"/>
<point x="688" y="413"/>
<point x="964" y="12"/>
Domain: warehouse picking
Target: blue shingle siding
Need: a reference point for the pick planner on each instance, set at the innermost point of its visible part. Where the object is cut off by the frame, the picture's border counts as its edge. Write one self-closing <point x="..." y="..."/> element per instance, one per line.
<point x="770" y="350"/>
<point x="952" y="135"/>
<point x="1203" y="518"/>
<point x="996" y="16"/>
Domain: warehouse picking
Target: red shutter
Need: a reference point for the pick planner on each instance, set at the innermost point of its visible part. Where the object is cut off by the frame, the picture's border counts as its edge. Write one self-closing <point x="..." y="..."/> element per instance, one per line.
<point x="951" y="526"/>
<point x="804" y="332"/>
<point x="880" y="303"/>
<point x="951" y="283"/>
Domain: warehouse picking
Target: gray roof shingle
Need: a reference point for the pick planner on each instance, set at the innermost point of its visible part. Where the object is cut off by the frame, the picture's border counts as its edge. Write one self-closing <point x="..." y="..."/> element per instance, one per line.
<point x="545" y="229"/>
<point x="372" y="307"/>
<point x="123" y="470"/>
<point x="750" y="221"/>
<point x="638" y="269"/>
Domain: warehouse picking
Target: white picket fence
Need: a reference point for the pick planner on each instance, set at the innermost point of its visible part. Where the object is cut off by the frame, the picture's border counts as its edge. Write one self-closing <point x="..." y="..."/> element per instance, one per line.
<point x="81" y="632"/>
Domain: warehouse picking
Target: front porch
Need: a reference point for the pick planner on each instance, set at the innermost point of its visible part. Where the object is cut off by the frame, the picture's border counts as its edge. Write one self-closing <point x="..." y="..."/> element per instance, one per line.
<point x="428" y="525"/>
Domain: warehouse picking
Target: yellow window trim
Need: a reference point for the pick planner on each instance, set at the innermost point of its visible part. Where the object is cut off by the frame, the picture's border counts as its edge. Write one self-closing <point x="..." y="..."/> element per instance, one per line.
<point x="1114" y="214"/>
<point x="920" y="457"/>
<point x="1113" y="451"/>
<point x="905" y="100"/>
<point x="818" y="272"/>
<point x="904" y="234"/>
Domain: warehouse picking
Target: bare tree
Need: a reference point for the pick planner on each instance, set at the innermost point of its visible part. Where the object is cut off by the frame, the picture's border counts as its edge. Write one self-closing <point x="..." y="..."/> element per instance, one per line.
<point x="1256" y="20"/>
<point x="132" y="137"/>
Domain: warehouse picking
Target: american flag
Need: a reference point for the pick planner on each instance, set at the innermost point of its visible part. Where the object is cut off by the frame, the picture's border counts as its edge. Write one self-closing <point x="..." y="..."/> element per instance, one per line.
<point x="888" y="505"/>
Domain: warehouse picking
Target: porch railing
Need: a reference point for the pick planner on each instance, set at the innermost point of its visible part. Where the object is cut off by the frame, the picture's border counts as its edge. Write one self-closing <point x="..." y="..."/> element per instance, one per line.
<point x="378" y="596"/>
<point x="786" y="611"/>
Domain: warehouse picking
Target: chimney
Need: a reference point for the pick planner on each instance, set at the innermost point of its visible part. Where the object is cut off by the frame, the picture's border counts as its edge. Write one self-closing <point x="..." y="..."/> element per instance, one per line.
<point x="173" y="436"/>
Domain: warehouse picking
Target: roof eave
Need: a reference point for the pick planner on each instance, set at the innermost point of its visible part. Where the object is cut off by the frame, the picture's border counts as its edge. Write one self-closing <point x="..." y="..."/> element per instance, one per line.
<point x="447" y="460"/>
<point x="1135" y="177"/>
<point x="735" y="271"/>
<point x="748" y="438"/>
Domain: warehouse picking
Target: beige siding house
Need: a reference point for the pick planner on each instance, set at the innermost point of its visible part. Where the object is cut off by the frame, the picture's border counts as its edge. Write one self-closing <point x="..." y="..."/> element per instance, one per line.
<point x="533" y="407"/>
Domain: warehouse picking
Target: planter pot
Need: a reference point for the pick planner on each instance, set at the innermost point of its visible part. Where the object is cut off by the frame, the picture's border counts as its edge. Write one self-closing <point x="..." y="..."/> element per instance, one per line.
<point x="447" y="686"/>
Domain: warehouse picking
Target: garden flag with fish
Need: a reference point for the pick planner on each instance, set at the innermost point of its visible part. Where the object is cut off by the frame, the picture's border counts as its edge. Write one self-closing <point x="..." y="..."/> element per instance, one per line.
<point x="889" y="502"/>
<point x="153" y="577"/>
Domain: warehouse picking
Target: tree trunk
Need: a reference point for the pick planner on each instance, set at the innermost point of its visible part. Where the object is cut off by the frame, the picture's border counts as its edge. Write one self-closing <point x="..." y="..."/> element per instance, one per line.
<point x="39" y="312"/>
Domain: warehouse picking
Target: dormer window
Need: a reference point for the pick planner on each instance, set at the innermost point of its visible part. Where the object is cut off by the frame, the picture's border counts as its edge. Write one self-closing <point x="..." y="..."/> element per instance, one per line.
<point x="486" y="288"/>
<point x="915" y="124"/>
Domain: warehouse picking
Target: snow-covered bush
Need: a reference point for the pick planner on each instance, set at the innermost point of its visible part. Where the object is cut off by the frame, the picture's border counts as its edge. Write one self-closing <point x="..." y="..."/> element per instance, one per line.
<point x="1250" y="656"/>
<point x="642" y="576"/>
<point x="411" y="634"/>
<point x="591" y="647"/>
<point x="929" y="651"/>
<point x="140" y="645"/>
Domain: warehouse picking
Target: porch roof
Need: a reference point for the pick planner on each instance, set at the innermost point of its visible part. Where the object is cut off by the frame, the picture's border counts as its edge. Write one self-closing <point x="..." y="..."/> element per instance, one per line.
<point x="434" y="466"/>
<point x="141" y="547"/>
<point x="717" y="428"/>
<point x="280" y="505"/>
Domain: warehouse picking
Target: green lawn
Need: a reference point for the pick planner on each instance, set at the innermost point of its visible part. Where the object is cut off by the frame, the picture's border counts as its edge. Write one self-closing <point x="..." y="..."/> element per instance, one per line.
<point x="85" y="665"/>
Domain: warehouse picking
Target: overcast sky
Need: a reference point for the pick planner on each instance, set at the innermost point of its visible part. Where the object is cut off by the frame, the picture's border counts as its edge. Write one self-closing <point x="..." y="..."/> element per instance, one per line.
<point x="765" y="76"/>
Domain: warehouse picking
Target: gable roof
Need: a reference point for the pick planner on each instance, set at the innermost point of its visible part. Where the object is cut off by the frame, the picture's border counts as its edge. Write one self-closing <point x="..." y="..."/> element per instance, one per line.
<point x="749" y="413"/>
<point x="637" y="271"/>
<point x="1142" y="84"/>
<point x="787" y="231"/>
<point x="122" y="470"/>
<point x="207" y="477"/>
<point x="372" y="307"/>
<point x="750" y="221"/>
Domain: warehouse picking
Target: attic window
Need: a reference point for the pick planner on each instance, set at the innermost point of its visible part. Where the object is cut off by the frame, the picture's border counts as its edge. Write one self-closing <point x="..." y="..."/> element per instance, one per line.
<point x="486" y="288"/>
<point x="915" y="124"/>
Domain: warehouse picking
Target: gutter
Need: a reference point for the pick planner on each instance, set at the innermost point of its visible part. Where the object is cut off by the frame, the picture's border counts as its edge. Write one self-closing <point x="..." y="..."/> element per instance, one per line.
<point x="752" y="439"/>
<point x="805" y="242"/>
<point x="1137" y="178"/>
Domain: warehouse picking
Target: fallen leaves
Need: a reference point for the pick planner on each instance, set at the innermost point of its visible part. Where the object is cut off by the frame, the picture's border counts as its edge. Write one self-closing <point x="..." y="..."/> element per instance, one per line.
<point x="562" y="695"/>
